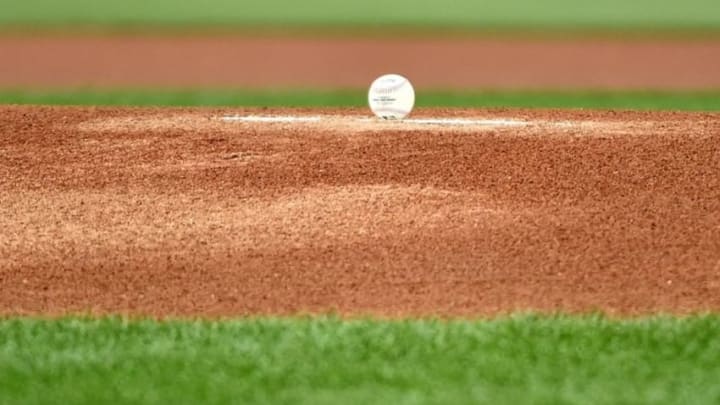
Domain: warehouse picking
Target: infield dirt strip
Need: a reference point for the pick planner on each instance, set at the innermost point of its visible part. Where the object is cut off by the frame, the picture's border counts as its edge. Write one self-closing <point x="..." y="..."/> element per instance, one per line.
<point x="76" y="60"/>
<point x="178" y="212"/>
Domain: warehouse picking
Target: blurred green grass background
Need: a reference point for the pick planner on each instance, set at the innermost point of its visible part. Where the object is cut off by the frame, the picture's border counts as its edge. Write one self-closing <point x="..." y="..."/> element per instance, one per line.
<point x="427" y="14"/>
<point x="639" y="100"/>
<point x="371" y="17"/>
<point x="518" y="360"/>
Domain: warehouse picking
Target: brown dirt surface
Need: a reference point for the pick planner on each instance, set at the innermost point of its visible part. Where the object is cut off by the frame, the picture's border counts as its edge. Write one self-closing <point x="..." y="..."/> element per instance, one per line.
<point x="72" y="60"/>
<point x="175" y="212"/>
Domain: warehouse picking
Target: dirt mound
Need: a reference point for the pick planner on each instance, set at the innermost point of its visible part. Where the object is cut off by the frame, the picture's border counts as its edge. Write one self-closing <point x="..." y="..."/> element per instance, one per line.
<point x="177" y="212"/>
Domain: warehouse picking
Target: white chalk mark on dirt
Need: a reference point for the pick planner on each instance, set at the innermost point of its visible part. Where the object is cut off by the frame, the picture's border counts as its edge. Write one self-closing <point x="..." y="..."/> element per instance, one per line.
<point x="272" y="118"/>
<point x="280" y="119"/>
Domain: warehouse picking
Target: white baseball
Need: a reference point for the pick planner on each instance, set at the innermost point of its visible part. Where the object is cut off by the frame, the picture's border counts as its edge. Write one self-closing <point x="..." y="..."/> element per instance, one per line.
<point x="391" y="97"/>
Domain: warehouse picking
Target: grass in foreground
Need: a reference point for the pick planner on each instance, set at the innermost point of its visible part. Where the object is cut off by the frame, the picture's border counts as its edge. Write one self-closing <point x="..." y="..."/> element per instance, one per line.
<point x="606" y="14"/>
<point x="688" y="101"/>
<point x="521" y="359"/>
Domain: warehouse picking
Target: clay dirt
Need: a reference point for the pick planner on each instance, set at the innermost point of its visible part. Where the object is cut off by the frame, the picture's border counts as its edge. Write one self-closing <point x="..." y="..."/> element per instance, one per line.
<point x="174" y="211"/>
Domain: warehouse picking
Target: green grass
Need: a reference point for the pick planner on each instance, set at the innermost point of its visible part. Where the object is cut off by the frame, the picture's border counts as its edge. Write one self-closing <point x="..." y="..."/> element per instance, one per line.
<point x="605" y="14"/>
<point x="515" y="360"/>
<point x="690" y="101"/>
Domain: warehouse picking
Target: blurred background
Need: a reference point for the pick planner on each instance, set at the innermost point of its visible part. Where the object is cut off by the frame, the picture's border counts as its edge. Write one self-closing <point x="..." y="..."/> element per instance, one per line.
<point x="514" y="53"/>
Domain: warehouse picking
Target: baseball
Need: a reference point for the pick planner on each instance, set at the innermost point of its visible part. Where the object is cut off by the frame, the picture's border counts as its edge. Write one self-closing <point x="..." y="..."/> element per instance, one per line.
<point x="391" y="97"/>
